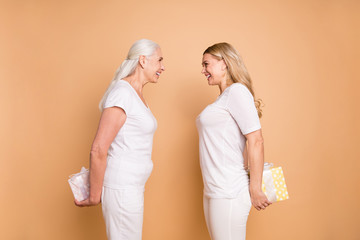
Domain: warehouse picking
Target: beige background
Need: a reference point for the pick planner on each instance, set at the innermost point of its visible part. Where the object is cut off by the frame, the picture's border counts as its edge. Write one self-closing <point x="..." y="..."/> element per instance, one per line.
<point x="57" y="58"/>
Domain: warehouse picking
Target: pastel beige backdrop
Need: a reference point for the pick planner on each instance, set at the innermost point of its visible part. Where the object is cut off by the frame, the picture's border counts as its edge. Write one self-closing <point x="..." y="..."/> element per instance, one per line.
<point x="57" y="58"/>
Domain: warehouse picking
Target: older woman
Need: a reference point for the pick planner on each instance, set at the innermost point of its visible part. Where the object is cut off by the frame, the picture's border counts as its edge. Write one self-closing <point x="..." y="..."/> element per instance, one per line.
<point x="230" y="136"/>
<point x="120" y="157"/>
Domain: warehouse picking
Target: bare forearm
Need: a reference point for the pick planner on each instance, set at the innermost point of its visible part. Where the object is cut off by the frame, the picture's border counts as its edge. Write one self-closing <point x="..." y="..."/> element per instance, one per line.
<point x="97" y="172"/>
<point x="112" y="119"/>
<point x="256" y="161"/>
<point x="245" y="156"/>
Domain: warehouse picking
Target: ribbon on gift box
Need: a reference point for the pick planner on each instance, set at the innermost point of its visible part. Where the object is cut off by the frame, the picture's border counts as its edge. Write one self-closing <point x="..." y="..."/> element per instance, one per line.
<point x="79" y="184"/>
<point x="273" y="183"/>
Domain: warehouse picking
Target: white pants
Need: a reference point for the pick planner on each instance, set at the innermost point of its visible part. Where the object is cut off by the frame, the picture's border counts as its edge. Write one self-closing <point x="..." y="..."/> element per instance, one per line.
<point x="226" y="218"/>
<point x="123" y="213"/>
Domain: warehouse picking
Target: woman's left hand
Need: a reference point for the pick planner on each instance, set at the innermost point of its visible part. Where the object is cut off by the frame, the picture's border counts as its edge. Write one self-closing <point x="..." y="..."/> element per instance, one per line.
<point x="86" y="203"/>
<point x="259" y="200"/>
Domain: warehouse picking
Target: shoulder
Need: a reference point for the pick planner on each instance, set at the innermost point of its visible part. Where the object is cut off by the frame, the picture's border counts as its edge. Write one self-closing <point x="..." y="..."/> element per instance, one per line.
<point x="121" y="96"/>
<point x="239" y="90"/>
<point x="121" y="84"/>
<point x="121" y="87"/>
<point x="120" y="91"/>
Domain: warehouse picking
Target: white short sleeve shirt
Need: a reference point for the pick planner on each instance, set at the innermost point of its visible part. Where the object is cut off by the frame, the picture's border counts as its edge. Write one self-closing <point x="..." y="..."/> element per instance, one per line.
<point x="221" y="127"/>
<point x="129" y="161"/>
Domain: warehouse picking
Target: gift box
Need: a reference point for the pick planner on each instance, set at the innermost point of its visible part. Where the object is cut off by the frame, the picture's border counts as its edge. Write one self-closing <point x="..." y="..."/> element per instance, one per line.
<point x="273" y="183"/>
<point x="79" y="184"/>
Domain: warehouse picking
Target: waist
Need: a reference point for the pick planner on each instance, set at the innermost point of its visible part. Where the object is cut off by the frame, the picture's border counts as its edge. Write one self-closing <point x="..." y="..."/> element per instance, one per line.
<point x="134" y="156"/>
<point x="125" y="172"/>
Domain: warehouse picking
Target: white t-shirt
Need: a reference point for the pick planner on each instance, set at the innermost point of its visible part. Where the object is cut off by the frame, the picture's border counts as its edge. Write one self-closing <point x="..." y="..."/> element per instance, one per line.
<point x="129" y="163"/>
<point x="221" y="127"/>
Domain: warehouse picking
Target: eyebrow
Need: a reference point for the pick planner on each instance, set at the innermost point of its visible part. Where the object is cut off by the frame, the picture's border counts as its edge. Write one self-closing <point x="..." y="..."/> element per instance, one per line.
<point x="161" y="58"/>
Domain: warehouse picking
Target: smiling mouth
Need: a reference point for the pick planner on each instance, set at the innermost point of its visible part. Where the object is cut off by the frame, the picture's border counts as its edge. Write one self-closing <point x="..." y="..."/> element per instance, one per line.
<point x="157" y="73"/>
<point x="207" y="76"/>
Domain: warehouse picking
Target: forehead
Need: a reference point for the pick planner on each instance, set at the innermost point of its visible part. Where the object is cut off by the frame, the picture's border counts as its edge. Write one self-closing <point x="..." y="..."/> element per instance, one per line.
<point x="157" y="53"/>
<point x="208" y="57"/>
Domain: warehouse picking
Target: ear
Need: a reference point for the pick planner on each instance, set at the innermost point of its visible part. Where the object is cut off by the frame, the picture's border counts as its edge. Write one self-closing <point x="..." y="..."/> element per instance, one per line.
<point x="142" y="61"/>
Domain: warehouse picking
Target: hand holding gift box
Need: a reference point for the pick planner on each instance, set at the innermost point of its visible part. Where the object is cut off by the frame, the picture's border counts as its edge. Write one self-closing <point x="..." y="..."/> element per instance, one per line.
<point x="273" y="183"/>
<point x="79" y="184"/>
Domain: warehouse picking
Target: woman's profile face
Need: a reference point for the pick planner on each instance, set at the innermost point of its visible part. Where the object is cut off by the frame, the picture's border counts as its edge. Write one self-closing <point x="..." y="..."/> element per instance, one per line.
<point x="154" y="66"/>
<point x="213" y="69"/>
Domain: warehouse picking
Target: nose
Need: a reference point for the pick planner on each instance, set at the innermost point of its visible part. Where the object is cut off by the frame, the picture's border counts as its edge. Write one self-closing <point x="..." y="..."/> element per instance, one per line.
<point x="203" y="70"/>
<point x="162" y="67"/>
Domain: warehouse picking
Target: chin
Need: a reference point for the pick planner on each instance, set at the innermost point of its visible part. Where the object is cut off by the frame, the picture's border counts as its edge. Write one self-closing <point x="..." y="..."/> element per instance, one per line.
<point x="211" y="83"/>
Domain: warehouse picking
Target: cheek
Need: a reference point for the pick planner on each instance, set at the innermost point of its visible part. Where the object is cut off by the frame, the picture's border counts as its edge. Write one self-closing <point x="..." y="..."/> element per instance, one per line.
<point x="208" y="69"/>
<point x="218" y="72"/>
<point x="212" y="71"/>
<point x="151" y="70"/>
<point x="156" y="67"/>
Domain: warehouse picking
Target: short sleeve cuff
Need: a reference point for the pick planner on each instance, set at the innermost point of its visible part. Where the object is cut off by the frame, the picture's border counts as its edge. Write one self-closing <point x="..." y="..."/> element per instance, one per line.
<point x="250" y="130"/>
<point x="109" y="105"/>
<point x="119" y="96"/>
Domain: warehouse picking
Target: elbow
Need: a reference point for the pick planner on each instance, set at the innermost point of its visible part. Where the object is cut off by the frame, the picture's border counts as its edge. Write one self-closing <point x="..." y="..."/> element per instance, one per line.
<point x="258" y="141"/>
<point x="97" y="152"/>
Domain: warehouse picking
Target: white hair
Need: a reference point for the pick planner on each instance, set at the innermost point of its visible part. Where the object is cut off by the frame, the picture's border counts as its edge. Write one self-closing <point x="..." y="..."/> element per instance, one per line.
<point x="142" y="47"/>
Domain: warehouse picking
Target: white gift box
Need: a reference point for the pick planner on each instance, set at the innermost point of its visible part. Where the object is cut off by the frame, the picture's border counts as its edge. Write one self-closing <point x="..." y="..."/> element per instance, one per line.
<point x="79" y="184"/>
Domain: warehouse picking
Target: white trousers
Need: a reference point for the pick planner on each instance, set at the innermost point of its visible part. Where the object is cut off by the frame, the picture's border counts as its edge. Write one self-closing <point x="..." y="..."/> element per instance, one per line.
<point x="226" y="218"/>
<point x="123" y="213"/>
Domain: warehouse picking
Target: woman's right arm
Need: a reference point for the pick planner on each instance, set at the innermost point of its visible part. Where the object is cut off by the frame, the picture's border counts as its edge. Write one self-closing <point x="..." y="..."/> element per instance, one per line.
<point x="112" y="119"/>
<point x="256" y="162"/>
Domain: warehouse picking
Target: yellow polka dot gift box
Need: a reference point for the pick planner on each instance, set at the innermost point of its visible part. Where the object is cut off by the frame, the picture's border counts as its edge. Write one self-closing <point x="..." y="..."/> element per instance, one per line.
<point x="273" y="183"/>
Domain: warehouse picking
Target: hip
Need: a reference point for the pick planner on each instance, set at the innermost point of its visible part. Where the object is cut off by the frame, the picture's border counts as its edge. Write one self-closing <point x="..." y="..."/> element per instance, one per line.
<point x="125" y="173"/>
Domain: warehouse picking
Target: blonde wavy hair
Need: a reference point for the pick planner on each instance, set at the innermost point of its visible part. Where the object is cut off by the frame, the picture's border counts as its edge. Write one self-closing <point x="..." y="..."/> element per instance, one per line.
<point x="236" y="70"/>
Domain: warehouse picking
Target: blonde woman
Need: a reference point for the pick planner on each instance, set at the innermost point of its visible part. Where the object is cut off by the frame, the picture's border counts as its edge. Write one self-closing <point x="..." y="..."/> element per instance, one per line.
<point x="120" y="158"/>
<point x="230" y="138"/>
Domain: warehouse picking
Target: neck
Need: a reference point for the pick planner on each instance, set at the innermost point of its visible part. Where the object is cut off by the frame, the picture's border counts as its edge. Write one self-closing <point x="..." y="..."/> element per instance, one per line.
<point x="137" y="81"/>
<point x="223" y="85"/>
